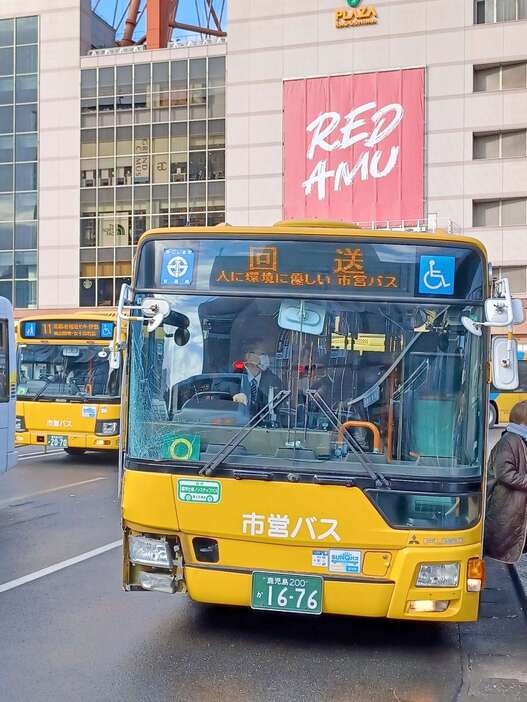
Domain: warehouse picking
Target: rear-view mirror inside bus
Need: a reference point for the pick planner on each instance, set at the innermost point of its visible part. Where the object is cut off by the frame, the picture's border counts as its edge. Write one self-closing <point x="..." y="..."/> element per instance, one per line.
<point x="302" y="316"/>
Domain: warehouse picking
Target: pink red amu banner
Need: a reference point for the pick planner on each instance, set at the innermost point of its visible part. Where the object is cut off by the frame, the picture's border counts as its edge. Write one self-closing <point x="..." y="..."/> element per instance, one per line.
<point x="353" y="147"/>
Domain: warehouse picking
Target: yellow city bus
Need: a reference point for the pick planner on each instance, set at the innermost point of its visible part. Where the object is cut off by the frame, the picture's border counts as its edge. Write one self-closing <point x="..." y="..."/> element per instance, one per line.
<point x="501" y="402"/>
<point x="68" y="395"/>
<point x="306" y="419"/>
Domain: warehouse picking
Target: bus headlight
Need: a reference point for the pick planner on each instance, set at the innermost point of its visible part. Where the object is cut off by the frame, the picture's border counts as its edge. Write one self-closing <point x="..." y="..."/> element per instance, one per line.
<point x="20" y="424"/>
<point x="438" y="575"/>
<point x="104" y="428"/>
<point x="150" y="552"/>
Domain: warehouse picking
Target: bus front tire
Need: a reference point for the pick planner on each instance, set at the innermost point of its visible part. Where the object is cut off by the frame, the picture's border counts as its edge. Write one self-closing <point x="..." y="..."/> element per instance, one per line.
<point x="75" y="451"/>
<point x="493" y="416"/>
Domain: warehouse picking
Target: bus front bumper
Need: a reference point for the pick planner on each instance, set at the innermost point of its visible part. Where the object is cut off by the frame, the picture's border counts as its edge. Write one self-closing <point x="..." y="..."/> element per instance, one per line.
<point x="393" y="597"/>
<point x="389" y="600"/>
<point x="90" y="442"/>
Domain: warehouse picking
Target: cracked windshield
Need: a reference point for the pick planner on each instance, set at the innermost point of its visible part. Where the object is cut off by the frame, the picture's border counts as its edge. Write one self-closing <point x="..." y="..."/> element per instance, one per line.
<point x="48" y="371"/>
<point x="327" y="385"/>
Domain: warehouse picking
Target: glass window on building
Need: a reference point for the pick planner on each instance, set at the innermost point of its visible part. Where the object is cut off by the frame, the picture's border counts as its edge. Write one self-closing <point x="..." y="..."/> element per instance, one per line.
<point x="506" y="76"/>
<point x="7" y="61"/>
<point x="7" y="32"/>
<point x="152" y="155"/>
<point x="489" y="11"/>
<point x="508" y="212"/>
<point x="505" y="144"/>
<point x="19" y="57"/>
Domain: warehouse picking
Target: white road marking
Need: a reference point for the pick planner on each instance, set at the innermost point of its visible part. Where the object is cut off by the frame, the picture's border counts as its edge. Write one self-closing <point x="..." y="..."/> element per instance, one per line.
<point x="19" y="498"/>
<point x="12" y="584"/>
<point x="42" y="454"/>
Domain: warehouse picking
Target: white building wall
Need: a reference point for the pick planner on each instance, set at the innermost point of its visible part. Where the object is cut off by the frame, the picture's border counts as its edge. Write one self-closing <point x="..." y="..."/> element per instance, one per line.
<point x="270" y="42"/>
<point x="59" y="147"/>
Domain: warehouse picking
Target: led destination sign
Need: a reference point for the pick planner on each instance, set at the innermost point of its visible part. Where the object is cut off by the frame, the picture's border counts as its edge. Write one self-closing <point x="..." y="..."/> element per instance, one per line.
<point x="80" y="329"/>
<point x="357" y="268"/>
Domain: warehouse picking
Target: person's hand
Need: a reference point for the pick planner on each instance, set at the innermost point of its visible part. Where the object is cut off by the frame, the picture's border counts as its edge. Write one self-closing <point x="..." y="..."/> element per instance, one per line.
<point x="240" y="398"/>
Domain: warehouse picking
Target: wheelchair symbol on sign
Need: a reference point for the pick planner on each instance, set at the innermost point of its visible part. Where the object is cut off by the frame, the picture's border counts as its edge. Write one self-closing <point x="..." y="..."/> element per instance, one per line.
<point x="177" y="266"/>
<point x="433" y="279"/>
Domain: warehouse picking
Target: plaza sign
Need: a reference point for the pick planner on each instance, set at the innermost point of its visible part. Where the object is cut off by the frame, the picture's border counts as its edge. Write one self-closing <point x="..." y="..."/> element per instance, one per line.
<point x="355" y="16"/>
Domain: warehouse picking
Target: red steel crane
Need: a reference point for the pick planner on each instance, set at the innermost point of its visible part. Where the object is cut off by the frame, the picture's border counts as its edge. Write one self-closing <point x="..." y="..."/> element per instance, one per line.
<point x="205" y="17"/>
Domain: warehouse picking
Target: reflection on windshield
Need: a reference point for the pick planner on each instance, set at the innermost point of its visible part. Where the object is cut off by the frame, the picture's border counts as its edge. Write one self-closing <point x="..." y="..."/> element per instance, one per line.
<point x="404" y="382"/>
<point x="48" y="371"/>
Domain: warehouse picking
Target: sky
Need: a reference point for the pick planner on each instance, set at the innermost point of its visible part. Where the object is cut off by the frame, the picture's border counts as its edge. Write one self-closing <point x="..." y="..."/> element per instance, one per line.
<point x="108" y="9"/>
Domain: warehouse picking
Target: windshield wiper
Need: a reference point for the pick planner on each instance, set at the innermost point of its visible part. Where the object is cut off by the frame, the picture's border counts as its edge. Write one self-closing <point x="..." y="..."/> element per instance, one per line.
<point x="377" y="476"/>
<point x="40" y="392"/>
<point x="230" y="446"/>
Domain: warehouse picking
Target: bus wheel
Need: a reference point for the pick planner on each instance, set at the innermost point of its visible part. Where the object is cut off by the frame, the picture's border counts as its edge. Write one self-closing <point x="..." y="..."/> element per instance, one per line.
<point x="75" y="451"/>
<point x="493" y="418"/>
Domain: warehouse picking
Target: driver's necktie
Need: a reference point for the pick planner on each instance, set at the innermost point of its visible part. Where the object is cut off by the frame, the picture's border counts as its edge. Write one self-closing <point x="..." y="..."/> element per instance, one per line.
<point x="254" y="391"/>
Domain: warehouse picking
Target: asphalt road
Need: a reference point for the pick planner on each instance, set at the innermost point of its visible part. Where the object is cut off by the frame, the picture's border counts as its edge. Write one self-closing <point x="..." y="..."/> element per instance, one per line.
<point x="70" y="633"/>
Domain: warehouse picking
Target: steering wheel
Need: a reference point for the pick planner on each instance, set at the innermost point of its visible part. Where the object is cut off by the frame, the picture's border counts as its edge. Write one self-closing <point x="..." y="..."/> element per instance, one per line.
<point x="209" y="395"/>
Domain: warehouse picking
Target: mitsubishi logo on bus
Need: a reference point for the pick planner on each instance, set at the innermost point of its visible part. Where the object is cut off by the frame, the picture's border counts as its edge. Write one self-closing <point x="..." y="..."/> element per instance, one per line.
<point x="356" y="16"/>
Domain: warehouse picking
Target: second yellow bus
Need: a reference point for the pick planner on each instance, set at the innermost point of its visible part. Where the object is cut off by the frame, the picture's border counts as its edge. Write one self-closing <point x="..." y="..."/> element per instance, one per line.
<point x="68" y="396"/>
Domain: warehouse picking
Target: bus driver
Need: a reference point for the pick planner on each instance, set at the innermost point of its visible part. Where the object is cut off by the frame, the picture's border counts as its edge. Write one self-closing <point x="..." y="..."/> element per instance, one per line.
<point x="261" y="378"/>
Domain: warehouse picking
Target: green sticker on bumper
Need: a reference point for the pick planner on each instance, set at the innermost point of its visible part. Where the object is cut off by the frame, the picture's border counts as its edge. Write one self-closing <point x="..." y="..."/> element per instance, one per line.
<point x="207" y="491"/>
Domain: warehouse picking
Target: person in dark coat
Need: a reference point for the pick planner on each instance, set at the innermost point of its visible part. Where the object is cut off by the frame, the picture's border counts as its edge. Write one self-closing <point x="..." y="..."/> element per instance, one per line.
<point x="506" y="520"/>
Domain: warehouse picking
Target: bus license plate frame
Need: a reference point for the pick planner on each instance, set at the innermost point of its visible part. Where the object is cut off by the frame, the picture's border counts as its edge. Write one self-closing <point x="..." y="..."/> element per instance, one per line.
<point x="265" y="595"/>
<point x="57" y="441"/>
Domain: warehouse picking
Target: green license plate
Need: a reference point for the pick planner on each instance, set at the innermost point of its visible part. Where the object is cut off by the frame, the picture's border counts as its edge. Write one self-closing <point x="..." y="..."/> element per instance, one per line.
<point x="284" y="592"/>
<point x="56" y="441"/>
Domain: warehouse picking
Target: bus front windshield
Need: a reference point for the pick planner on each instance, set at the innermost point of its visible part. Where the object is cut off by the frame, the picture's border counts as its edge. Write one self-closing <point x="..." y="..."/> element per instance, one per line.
<point x="323" y="380"/>
<point x="48" y="371"/>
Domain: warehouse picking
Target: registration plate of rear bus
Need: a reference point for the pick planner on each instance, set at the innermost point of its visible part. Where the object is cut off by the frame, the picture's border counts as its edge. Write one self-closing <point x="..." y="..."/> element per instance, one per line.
<point x="286" y="592"/>
<point x="57" y="441"/>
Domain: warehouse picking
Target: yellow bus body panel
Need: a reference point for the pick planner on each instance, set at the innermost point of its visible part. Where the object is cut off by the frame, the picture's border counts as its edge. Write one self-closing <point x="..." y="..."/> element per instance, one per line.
<point x="390" y="557"/>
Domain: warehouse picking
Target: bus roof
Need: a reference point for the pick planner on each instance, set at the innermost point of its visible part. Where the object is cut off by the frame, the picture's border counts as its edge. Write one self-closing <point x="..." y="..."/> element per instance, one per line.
<point x="312" y="228"/>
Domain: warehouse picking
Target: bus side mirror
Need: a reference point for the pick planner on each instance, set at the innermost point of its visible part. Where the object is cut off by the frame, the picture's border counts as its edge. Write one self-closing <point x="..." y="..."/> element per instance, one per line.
<point x="154" y="311"/>
<point x="181" y="336"/>
<point x="502" y="310"/>
<point x="505" y="374"/>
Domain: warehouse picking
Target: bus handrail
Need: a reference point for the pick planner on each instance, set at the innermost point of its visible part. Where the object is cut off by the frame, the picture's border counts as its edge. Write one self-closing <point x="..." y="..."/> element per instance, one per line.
<point x="358" y="423"/>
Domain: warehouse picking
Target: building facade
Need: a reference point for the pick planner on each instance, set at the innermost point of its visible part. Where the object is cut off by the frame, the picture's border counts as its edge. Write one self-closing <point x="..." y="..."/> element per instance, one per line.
<point x="98" y="143"/>
<point x="152" y="155"/>
<point x="474" y="57"/>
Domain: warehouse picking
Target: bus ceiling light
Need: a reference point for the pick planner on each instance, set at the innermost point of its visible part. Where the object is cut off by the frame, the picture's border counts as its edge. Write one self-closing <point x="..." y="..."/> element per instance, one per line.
<point x="438" y="575"/>
<point x="151" y="552"/>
